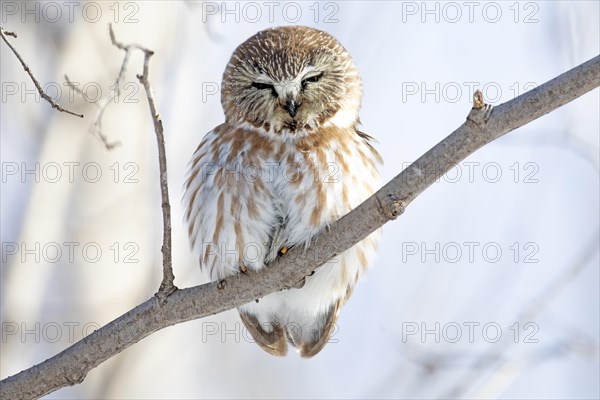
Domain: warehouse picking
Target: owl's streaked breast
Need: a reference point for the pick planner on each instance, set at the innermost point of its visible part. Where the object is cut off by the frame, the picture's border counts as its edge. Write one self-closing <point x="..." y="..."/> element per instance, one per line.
<point x="272" y="194"/>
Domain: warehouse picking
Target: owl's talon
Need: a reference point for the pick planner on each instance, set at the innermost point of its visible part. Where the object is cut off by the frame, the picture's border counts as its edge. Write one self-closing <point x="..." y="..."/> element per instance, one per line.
<point x="283" y="250"/>
<point x="311" y="274"/>
<point x="243" y="268"/>
<point x="221" y="284"/>
<point x="488" y="112"/>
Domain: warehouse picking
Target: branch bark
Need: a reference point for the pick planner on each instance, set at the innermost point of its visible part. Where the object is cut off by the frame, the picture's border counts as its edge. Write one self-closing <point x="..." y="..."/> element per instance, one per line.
<point x="483" y="125"/>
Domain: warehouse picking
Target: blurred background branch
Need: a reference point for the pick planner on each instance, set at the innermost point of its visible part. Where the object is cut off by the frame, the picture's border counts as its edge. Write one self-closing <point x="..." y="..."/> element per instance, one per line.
<point x="45" y="96"/>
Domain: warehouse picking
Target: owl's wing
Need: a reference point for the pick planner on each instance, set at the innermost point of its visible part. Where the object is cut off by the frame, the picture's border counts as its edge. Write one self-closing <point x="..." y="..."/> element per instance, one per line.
<point x="229" y="212"/>
<point x="368" y="139"/>
<point x="276" y="237"/>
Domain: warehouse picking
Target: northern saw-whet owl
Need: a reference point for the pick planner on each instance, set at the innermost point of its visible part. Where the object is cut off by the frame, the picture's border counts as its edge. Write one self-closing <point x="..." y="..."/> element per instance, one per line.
<point x="288" y="161"/>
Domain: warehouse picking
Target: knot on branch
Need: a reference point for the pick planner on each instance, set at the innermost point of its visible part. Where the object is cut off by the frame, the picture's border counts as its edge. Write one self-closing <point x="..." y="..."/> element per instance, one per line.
<point x="164" y="291"/>
<point x="478" y="101"/>
<point x="390" y="206"/>
<point x="75" y="378"/>
<point x="481" y="112"/>
<point x="298" y="285"/>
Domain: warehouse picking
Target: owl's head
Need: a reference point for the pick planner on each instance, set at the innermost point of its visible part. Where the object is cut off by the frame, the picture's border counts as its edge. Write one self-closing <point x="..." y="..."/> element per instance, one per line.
<point x="291" y="81"/>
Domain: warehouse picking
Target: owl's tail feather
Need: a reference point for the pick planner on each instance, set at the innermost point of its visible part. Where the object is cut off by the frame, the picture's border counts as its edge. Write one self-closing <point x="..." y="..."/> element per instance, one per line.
<point x="308" y="336"/>
<point x="311" y="339"/>
<point x="271" y="342"/>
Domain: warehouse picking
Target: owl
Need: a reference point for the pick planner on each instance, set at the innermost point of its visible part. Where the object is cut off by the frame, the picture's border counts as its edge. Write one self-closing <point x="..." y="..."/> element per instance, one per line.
<point x="288" y="161"/>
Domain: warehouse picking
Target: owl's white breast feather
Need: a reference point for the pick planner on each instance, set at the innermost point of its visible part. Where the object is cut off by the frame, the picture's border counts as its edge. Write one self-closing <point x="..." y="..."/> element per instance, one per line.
<point x="238" y="203"/>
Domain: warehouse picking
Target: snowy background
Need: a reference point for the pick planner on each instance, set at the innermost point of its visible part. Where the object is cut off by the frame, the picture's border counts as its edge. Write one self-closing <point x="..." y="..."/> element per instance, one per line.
<point x="488" y="285"/>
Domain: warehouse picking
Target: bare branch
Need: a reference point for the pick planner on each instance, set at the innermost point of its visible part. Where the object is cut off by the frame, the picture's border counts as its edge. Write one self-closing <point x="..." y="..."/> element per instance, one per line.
<point x="7" y="33"/>
<point x="96" y="127"/>
<point x="167" y="285"/>
<point x="121" y="46"/>
<point x="104" y="102"/>
<point x="54" y="105"/>
<point x="483" y="125"/>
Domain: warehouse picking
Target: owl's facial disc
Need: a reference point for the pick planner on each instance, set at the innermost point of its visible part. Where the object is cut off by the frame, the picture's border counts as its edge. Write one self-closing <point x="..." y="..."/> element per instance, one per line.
<point x="291" y="81"/>
<point x="289" y="96"/>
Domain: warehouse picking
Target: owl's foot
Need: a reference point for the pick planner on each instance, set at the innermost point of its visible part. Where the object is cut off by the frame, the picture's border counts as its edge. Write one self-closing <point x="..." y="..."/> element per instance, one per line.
<point x="283" y="250"/>
<point x="243" y="268"/>
<point x="488" y="112"/>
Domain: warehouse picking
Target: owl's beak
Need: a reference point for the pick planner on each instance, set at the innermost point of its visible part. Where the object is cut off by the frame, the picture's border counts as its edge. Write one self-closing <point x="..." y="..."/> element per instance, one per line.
<point x="291" y="106"/>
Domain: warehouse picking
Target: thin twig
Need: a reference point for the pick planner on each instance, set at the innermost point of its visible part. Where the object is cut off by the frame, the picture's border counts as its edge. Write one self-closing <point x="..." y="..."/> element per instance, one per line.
<point x="102" y="104"/>
<point x="7" y="33"/>
<point x="482" y="127"/>
<point x="54" y="105"/>
<point x="167" y="285"/>
<point x="121" y="46"/>
<point x="96" y="127"/>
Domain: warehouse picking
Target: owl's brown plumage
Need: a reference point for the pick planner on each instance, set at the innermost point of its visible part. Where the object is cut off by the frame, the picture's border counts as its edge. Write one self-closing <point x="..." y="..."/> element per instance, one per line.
<point x="302" y="65"/>
<point x="287" y="162"/>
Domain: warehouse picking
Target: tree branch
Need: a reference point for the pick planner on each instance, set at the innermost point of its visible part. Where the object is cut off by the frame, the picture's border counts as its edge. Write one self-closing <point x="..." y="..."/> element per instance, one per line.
<point x="167" y="285"/>
<point x="54" y="105"/>
<point x="483" y="125"/>
<point x="96" y="127"/>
